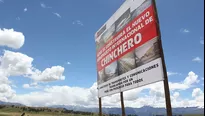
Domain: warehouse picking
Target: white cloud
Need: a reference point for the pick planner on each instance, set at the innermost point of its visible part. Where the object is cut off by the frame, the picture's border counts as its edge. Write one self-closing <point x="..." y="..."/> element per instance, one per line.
<point x="197" y="92"/>
<point x="25" y="9"/>
<point x="197" y="59"/>
<point x="16" y="64"/>
<point x="66" y="95"/>
<point x="178" y="86"/>
<point x="56" y="95"/>
<point x="49" y="74"/>
<point x="3" y="77"/>
<point x="156" y="90"/>
<point x="183" y="30"/>
<point x="44" y="5"/>
<point x="191" y="79"/>
<point x="18" y="18"/>
<point x="11" y="64"/>
<point x="202" y="40"/>
<point x="68" y="63"/>
<point x="4" y="80"/>
<point x="176" y="95"/>
<point x="172" y="73"/>
<point x="188" y="82"/>
<point x="26" y="86"/>
<point x="57" y="14"/>
<point x="132" y="94"/>
<point x="156" y="98"/>
<point x="113" y="100"/>
<point x="4" y="88"/>
<point x="33" y="85"/>
<point x="6" y="92"/>
<point x="11" y="38"/>
<point x="177" y="101"/>
<point x="78" y="22"/>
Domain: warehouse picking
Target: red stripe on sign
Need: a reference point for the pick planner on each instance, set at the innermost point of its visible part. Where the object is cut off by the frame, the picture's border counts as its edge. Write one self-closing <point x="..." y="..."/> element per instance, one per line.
<point x="118" y="33"/>
<point x="136" y="33"/>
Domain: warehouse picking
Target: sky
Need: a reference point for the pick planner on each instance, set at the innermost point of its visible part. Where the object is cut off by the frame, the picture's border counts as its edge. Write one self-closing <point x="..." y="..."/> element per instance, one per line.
<point x="48" y="57"/>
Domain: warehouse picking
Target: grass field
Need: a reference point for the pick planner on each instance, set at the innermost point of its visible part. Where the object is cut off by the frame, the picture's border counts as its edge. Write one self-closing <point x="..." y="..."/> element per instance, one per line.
<point x="39" y="114"/>
<point x="29" y="111"/>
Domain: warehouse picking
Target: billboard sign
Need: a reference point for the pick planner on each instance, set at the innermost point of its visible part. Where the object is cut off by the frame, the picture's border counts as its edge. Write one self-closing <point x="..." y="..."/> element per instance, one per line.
<point x="128" y="49"/>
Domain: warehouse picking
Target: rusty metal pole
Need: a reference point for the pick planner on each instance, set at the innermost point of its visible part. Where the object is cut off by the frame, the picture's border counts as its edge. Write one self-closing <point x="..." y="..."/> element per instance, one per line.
<point x="122" y="104"/>
<point x="100" y="107"/>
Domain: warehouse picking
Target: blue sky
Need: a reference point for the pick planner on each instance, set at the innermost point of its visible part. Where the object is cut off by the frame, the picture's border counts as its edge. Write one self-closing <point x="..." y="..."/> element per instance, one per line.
<point x="61" y="31"/>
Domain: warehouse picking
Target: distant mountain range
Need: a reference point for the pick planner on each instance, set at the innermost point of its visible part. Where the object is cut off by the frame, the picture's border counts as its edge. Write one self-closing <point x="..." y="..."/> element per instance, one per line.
<point x="143" y="111"/>
<point x="9" y="103"/>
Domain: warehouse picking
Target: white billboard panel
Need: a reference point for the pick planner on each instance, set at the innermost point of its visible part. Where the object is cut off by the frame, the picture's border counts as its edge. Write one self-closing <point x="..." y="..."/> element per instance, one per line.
<point x="128" y="49"/>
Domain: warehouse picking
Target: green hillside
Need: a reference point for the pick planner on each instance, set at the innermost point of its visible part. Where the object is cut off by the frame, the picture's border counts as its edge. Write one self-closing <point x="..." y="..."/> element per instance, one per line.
<point x="40" y="111"/>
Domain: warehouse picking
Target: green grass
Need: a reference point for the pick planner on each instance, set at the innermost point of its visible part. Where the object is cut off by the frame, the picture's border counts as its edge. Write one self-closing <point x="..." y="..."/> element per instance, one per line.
<point x="17" y="111"/>
<point x="38" y="114"/>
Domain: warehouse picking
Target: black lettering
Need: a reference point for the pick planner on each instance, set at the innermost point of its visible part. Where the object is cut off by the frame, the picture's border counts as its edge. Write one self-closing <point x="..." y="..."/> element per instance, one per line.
<point x="128" y="84"/>
<point x="125" y="81"/>
<point x="131" y="79"/>
<point x="137" y="81"/>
